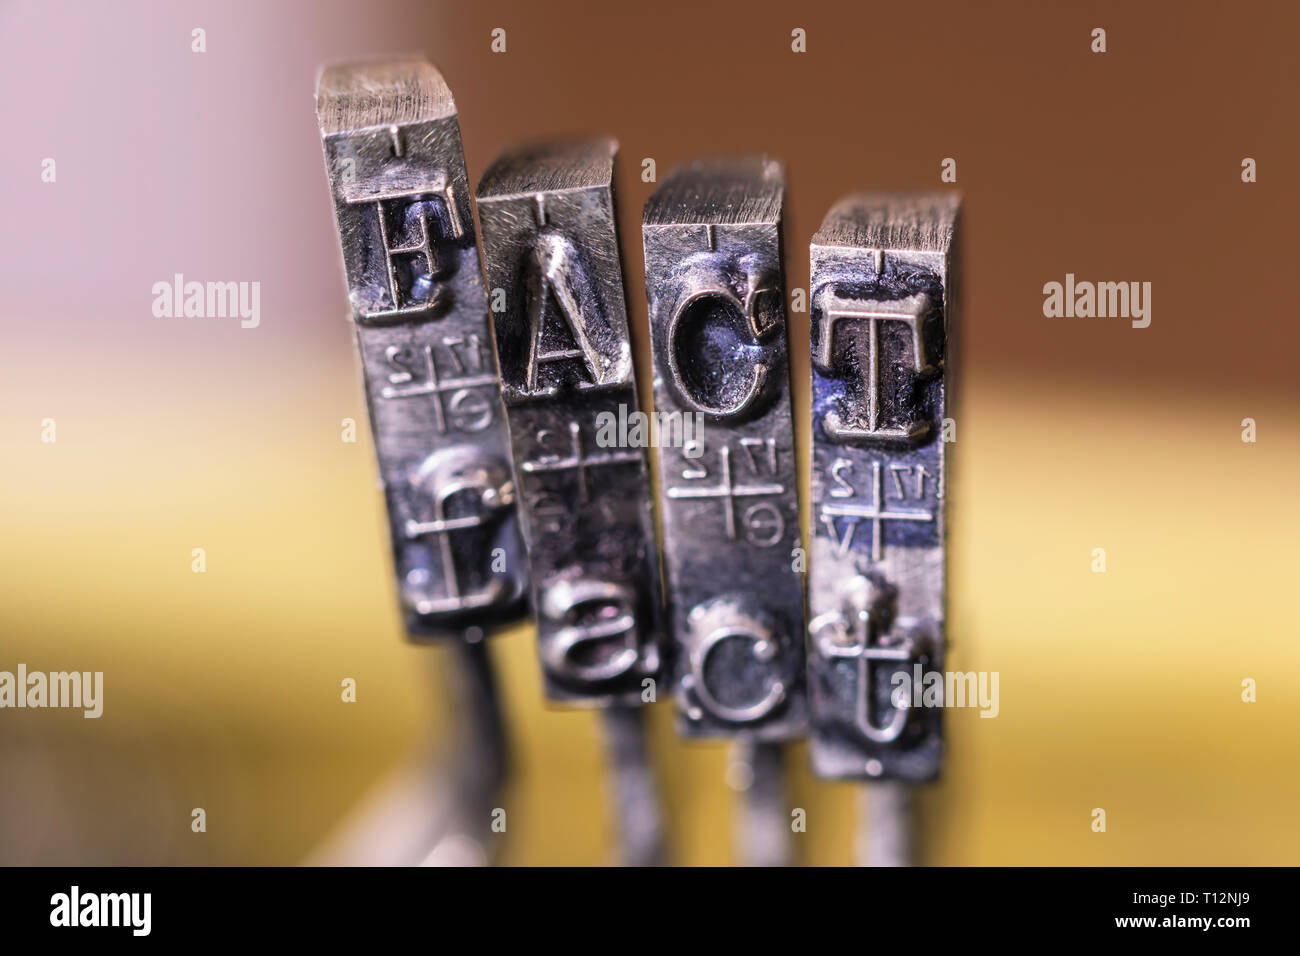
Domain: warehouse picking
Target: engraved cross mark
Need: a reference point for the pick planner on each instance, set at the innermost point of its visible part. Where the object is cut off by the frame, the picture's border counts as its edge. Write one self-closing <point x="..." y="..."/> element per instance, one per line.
<point x="577" y="461"/>
<point x="433" y="385"/>
<point x="728" y="491"/>
<point x="874" y="514"/>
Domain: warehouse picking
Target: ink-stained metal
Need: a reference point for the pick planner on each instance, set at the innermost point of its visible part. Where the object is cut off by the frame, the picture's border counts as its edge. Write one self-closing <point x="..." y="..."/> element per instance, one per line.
<point x="883" y="305"/>
<point x="402" y="207"/>
<point x="560" y="314"/>
<point x="712" y="236"/>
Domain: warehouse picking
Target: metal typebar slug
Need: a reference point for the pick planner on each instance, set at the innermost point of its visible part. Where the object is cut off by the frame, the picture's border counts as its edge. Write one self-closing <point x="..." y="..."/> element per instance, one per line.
<point x="402" y="206"/>
<point x="882" y="307"/>
<point x="731" y="514"/>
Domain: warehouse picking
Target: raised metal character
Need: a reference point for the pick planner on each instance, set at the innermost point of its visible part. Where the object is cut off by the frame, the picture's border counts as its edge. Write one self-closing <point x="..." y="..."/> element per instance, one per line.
<point x="552" y="262"/>
<point x="712" y="235"/>
<point x="402" y="206"/>
<point x="882" y="307"/>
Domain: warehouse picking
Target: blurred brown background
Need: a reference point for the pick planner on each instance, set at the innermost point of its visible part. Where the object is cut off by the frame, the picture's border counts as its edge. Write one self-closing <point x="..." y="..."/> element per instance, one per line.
<point x="1119" y="690"/>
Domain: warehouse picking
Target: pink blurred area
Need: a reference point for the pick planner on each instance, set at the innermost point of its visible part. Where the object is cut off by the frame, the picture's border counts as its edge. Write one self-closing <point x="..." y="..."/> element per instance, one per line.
<point x="174" y="161"/>
<point x="172" y="430"/>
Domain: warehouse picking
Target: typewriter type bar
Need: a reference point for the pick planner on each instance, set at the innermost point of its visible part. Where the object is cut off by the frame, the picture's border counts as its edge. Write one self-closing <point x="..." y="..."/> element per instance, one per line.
<point x="402" y="207"/>
<point x="712" y="235"/>
<point x="552" y="263"/>
<point x="882" y="303"/>
<point x="553" y="267"/>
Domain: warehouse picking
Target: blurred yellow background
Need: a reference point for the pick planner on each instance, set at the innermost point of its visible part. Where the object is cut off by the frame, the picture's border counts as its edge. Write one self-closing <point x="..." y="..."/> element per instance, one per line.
<point x="1119" y="690"/>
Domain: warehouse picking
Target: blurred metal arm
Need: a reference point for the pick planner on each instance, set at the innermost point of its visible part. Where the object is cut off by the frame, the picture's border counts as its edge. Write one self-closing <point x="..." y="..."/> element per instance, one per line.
<point x="551" y="252"/>
<point x="391" y="140"/>
<point x="763" y="833"/>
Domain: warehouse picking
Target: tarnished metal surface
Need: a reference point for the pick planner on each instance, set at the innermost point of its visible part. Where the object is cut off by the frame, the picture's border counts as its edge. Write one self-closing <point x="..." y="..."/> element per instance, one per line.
<point x="712" y="236"/>
<point x="402" y="205"/>
<point x="553" y="268"/>
<point x="881" y="301"/>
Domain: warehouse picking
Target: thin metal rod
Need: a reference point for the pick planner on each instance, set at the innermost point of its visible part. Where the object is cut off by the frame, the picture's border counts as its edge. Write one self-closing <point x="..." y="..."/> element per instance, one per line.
<point x="635" y="795"/>
<point x="483" y="735"/>
<point x="757" y="772"/>
<point x="885" y="825"/>
<point x="477" y="769"/>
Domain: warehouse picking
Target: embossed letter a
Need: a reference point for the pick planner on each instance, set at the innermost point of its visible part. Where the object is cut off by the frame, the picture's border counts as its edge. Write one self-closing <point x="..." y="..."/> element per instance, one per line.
<point x="554" y="275"/>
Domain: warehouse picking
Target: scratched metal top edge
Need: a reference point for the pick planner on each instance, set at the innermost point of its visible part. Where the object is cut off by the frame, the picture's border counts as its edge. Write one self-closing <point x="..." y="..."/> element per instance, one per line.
<point x="723" y="191"/>
<point x="915" y="221"/>
<point x="549" y="166"/>
<point x="351" y="96"/>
